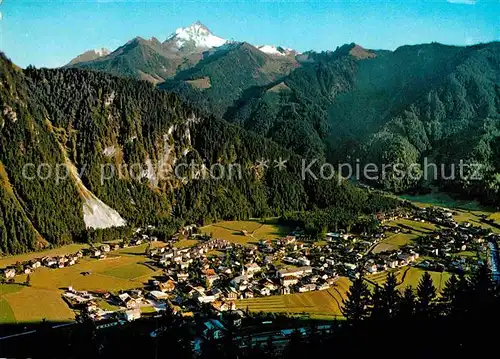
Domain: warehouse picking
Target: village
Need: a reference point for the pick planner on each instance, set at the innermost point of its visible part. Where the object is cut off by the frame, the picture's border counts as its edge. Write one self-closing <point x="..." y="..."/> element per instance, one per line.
<point x="214" y="274"/>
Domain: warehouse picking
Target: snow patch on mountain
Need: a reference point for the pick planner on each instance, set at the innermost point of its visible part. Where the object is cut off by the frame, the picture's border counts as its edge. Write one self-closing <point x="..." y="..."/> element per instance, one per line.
<point x="276" y="50"/>
<point x="272" y="50"/>
<point x="198" y="34"/>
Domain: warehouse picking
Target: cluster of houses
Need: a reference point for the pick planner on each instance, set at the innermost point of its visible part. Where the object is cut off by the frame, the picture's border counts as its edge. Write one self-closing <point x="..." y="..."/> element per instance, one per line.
<point x="30" y="266"/>
<point x="65" y="260"/>
<point x="444" y="246"/>
<point x="128" y="303"/>
<point x="215" y="273"/>
<point x="237" y="272"/>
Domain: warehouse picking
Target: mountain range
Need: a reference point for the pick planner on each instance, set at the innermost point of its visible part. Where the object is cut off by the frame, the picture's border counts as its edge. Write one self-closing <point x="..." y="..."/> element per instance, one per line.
<point x="213" y="101"/>
<point x="349" y="105"/>
<point x="88" y="156"/>
<point x="157" y="61"/>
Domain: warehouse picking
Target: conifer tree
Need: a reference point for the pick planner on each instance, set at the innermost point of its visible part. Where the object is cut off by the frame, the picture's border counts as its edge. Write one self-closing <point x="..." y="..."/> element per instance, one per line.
<point x="426" y="294"/>
<point x="355" y="307"/>
<point x="378" y="312"/>
<point x="407" y="303"/>
<point x="460" y="303"/>
<point x="482" y="284"/>
<point x="449" y="294"/>
<point x="390" y="295"/>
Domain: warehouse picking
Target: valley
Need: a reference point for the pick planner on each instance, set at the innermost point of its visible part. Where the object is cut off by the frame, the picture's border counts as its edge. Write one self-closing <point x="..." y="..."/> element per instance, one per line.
<point x="199" y="195"/>
<point x="126" y="269"/>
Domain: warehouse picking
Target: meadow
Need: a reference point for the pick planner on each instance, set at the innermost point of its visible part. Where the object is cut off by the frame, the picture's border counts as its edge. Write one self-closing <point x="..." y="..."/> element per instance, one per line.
<point x="324" y="304"/>
<point x="466" y="210"/>
<point x="393" y="242"/>
<point x="415" y="227"/>
<point x="441" y="199"/>
<point x="186" y="243"/>
<point x="410" y="276"/>
<point x="256" y="230"/>
<point x="124" y="269"/>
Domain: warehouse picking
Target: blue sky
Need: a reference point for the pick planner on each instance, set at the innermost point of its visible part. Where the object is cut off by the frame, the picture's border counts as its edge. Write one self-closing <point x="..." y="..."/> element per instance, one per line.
<point x="51" y="32"/>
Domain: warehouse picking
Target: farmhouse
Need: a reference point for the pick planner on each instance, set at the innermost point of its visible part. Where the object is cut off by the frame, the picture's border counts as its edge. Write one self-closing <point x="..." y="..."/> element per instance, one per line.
<point x="298" y="272"/>
<point x="157" y="295"/>
<point x="49" y="261"/>
<point x="307" y="288"/>
<point x="221" y="306"/>
<point x="231" y="293"/>
<point x="252" y="268"/>
<point x="132" y="314"/>
<point x="9" y="273"/>
<point x="289" y="280"/>
<point x="286" y="240"/>
<point x="128" y="301"/>
<point x="211" y="276"/>
<point x="167" y="286"/>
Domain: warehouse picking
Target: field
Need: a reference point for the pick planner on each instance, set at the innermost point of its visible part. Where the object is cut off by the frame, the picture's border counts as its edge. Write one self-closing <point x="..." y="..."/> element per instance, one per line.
<point x="495" y="217"/>
<point x="413" y="276"/>
<point x="42" y="299"/>
<point x="410" y="276"/>
<point x="419" y="228"/>
<point x="148" y="310"/>
<point x="129" y="271"/>
<point x="6" y="313"/>
<point x="186" y="243"/>
<point x="33" y="305"/>
<point x="318" y="304"/>
<point x="394" y="242"/>
<point x="476" y="218"/>
<point x="466" y="211"/>
<point x="257" y="230"/>
<point x="104" y="305"/>
<point x="441" y="199"/>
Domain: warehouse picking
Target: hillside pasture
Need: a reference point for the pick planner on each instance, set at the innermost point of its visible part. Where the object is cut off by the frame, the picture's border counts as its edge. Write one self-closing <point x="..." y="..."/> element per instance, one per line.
<point x="412" y="276"/>
<point x="477" y="218"/>
<point x="409" y="276"/>
<point x="318" y="304"/>
<point x="33" y="305"/>
<point x="186" y="243"/>
<point x="6" y="314"/>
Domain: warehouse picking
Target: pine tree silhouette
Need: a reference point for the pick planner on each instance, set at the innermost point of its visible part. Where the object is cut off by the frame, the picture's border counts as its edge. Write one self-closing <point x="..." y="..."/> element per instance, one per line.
<point x="358" y="299"/>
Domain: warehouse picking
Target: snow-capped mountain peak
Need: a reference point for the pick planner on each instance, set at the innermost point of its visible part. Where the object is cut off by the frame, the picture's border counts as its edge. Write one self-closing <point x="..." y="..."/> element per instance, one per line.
<point x="276" y="50"/>
<point x="197" y="34"/>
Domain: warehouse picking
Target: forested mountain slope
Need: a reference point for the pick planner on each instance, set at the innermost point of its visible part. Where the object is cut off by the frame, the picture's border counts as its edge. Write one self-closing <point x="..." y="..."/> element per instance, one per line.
<point x="139" y="58"/>
<point x="429" y="101"/>
<point x="88" y="121"/>
<point x="388" y="107"/>
<point x="228" y="74"/>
